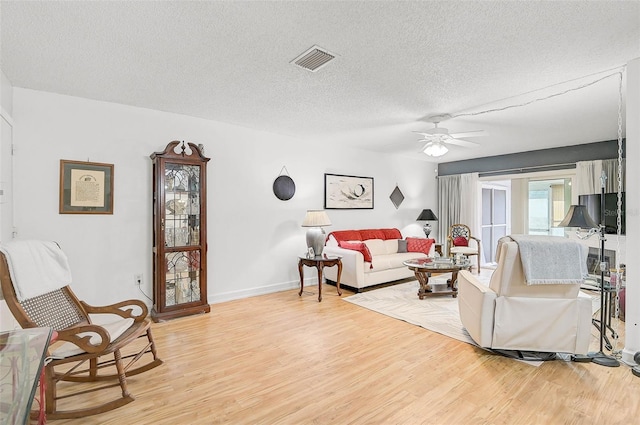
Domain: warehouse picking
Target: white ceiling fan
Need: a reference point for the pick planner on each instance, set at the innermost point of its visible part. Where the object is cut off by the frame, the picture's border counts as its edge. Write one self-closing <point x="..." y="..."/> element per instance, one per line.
<point x="438" y="137"/>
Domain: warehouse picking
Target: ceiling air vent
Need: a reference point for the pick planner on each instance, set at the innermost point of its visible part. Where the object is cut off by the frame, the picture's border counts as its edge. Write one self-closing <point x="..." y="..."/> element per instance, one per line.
<point x="313" y="59"/>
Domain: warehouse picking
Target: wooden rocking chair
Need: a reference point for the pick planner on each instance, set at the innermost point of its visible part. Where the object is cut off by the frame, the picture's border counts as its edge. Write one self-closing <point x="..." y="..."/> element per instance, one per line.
<point x="83" y="341"/>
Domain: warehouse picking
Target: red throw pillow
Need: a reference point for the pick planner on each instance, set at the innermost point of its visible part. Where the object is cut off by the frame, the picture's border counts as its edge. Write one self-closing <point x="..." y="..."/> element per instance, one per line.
<point x="460" y="241"/>
<point x="419" y="245"/>
<point x="357" y="246"/>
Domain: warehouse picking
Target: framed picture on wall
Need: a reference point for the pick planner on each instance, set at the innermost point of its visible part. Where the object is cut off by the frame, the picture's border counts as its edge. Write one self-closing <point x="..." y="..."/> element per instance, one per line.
<point x="86" y="187"/>
<point x="347" y="192"/>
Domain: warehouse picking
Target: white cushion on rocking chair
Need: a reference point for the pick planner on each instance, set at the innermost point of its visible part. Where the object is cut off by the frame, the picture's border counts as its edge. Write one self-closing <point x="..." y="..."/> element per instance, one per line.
<point x="115" y="329"/>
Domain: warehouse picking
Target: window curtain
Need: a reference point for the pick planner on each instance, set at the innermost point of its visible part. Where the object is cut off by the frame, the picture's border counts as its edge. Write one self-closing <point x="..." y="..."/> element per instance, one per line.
<point x="448" y="206"/>
<point x="588" y="174"/>
<point x="470" y="190"/>
<point x="457" y="203"/>
<point x="610" y="168"/>
<point x="557" y="204"/>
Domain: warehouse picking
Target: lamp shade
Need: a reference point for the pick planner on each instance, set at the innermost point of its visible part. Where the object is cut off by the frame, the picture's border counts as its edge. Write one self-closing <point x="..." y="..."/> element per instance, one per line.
<point x="316" y="218"/>
<point x="578" y="216"/>
<point x="427" y="215"/>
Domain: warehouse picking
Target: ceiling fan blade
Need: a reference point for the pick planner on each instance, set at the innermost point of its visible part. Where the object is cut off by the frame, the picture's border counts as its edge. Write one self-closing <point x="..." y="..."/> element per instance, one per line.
<point x="425" y="135"/>
<point x="437" y="131"/>
<point x="463" y="143"/>
<point x="475" y="133"/>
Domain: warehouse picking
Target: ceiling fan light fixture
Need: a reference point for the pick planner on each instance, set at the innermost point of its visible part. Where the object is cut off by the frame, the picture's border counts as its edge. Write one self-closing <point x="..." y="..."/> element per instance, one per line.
<point x="435" y="149"/>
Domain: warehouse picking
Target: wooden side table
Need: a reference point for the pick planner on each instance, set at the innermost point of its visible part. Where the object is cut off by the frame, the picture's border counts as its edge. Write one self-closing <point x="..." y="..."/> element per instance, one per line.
<point x="319" y="262"/>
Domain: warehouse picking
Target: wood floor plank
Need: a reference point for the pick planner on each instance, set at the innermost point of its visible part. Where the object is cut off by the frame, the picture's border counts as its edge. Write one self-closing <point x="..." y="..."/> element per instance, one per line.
<point x="284" y="359"/>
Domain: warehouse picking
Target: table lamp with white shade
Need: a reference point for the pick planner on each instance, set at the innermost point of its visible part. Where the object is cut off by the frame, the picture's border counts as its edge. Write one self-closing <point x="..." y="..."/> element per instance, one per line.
<point x="315" y="220"/>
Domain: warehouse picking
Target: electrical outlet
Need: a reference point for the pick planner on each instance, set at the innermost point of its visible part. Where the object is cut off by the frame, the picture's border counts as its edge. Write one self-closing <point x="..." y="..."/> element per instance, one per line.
<point x="137" y="279"/>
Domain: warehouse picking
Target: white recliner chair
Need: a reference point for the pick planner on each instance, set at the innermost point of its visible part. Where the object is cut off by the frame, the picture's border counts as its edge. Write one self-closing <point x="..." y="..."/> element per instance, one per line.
<point x="510" y="314"/>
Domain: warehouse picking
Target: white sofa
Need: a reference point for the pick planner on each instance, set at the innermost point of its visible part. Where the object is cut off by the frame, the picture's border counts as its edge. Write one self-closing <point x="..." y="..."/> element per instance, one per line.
<point x="386" y="265"/>
<point x="510" y="314"/>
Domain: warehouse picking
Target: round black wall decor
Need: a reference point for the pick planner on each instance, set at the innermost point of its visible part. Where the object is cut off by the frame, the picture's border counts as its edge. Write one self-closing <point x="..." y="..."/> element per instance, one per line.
<point x="284" y="188"/>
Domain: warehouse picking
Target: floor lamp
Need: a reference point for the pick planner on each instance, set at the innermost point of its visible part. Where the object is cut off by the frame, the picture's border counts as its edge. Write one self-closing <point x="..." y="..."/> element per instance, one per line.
<point x="579" y="217"/>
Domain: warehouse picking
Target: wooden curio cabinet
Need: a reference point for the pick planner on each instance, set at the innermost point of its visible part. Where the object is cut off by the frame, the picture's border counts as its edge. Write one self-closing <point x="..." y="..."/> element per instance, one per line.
<point x="179" y="231"/>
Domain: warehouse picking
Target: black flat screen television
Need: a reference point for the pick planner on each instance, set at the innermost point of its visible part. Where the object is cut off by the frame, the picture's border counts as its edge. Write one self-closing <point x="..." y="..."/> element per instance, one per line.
<point x="592" y="202"/>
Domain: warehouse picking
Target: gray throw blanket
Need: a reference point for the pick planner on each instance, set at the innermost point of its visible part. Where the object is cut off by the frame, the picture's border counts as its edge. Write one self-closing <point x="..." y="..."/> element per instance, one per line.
<point x="551" y="259"/>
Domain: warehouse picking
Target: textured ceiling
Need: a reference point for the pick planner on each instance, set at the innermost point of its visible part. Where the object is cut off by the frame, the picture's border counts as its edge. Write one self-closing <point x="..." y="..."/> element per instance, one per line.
<point x="396" y="64"/>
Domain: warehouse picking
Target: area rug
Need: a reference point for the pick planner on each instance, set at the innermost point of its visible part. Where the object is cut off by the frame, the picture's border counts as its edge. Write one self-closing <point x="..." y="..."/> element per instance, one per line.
<point x="437" y="313"/>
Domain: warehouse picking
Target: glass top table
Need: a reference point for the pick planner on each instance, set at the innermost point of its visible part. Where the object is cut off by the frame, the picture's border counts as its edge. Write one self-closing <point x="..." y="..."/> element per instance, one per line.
<point x="22" y="354"/>
<point x="424" y="267"/>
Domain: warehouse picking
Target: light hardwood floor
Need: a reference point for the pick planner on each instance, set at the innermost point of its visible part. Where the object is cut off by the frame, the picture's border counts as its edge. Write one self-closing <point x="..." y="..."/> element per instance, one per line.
<point x="285" y="359"/>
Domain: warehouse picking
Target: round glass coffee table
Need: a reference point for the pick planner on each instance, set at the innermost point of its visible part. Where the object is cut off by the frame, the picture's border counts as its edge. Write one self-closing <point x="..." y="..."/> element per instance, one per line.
<point x="424" y="267"/>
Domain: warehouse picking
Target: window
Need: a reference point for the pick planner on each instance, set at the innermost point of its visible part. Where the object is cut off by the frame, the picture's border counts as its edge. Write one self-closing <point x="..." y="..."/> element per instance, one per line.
<point x="533" y="206"/>
<point x="549" y="201"/>
<point x="495" y="214"/>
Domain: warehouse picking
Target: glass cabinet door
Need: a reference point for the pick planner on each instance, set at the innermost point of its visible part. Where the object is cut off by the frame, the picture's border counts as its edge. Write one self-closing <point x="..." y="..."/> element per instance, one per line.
<point x="182" y="205"/>
<point x="183" y="277"/>
<point x="182" y="230"/>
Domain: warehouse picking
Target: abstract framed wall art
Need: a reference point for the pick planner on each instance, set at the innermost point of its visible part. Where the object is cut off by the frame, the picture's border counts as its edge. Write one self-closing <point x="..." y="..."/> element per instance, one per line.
<point x="347" y="192"/>
<point x="86" y="187"/>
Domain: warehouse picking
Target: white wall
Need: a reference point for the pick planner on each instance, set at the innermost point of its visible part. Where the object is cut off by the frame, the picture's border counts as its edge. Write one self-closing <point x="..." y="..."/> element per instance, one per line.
<point x="6" y="137"/>
<point x="632" y="204"/>
<point x="6" y="205"/>
<point x="254" y="238"/>
<point x="6" y="95"/>
<point x="519" y="206"/>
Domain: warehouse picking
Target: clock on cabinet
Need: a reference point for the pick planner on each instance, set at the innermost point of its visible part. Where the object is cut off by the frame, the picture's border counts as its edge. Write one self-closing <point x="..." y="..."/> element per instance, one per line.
<point x="179" y="231"/>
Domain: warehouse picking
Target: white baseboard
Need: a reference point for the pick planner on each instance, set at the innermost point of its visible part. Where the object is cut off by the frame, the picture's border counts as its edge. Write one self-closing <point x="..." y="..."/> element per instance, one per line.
<point x="261" y="290"/>
<point x="627" y="357"/>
